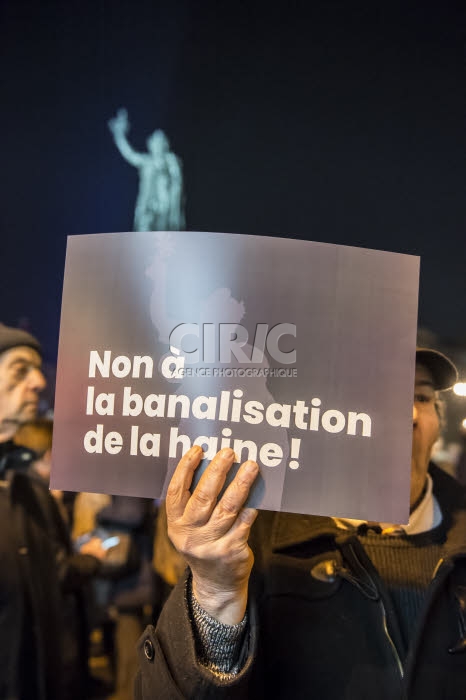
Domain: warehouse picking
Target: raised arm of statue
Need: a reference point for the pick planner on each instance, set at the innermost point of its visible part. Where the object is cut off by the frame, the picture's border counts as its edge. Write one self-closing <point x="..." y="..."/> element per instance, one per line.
<point x="119" y="126"/>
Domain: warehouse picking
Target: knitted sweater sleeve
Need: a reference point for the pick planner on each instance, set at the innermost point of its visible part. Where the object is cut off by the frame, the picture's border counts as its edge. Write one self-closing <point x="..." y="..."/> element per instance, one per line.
<point x="182" y="658"/>
<point x="218" y="645"/>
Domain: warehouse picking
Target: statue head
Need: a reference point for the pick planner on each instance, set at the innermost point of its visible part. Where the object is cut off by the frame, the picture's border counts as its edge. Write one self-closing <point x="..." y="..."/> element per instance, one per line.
<point x="158" y="142"/>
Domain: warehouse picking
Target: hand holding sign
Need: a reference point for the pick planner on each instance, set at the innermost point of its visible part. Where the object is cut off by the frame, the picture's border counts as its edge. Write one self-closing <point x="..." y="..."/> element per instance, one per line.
<point x="211" y="533"/>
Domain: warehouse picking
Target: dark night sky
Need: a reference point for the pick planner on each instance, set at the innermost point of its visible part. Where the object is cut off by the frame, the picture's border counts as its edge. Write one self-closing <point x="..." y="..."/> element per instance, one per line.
<point x="330" y="121"/>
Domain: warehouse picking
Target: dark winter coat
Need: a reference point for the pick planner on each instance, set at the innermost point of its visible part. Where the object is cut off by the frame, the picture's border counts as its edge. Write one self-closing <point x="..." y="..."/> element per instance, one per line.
<point x="318" y="634"/>
<point x="74" y="571"/>
<point x="30" y="626"/>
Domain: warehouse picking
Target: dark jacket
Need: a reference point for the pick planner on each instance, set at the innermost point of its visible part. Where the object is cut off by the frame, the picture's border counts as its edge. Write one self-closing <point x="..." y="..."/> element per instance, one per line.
<point x="132" y="579"/>
<point x="74" y="571"/>
<point x="30" y="626"/>
<point x="318" y="634"/>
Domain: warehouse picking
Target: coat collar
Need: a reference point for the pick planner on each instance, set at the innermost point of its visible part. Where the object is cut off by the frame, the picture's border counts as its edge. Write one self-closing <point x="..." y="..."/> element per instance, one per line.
<point x="290" y="529"/>
<point x="452" y="500"/>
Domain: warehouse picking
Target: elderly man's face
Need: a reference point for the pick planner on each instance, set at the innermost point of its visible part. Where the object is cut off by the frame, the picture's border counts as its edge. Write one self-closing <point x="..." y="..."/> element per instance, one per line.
<point x="426" y="426"/>
<point x="21" y="381"/>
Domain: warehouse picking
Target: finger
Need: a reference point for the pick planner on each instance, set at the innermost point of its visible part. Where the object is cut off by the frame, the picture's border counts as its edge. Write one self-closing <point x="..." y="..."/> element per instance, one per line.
<point x="204" y="497"/>
<point x="229" y="506"/>
<point x="239" y="531"/>
<point x="178" y="493"/>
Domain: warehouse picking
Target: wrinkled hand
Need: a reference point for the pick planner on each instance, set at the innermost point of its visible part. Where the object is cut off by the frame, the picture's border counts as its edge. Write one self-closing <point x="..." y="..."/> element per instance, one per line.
<point x="94" y="547"/>
<point x="211" y="534"/>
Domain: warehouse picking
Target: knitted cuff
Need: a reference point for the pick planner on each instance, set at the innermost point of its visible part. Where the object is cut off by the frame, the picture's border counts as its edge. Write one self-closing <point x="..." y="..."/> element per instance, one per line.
<point x="218" y="645"/>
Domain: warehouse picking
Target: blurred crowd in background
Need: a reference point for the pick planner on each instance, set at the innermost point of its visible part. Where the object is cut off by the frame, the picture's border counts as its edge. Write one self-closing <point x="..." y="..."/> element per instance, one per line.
<point x="115" y="567"/>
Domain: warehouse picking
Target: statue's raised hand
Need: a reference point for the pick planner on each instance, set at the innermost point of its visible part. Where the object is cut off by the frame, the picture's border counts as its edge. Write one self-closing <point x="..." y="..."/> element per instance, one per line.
<point x="120" y="123"/>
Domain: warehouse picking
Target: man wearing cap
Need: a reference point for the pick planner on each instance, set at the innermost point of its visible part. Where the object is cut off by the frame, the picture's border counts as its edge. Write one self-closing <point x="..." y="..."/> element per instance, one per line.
<point x="333" y="609"/>
<point x="29" y="593"/>
<point x="21" y="381"/>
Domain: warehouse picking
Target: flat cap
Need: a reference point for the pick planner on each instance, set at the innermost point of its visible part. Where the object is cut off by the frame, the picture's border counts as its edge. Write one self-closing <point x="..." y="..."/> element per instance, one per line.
<point x="444" y="372"/>
<point x="14" y="337"/>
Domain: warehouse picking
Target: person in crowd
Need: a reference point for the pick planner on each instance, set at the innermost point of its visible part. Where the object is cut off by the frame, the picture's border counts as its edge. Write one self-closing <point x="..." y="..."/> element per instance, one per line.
<point x="74" y="569"/>
<point x="129" y="520"/>
<point x="297" y="606"/>
<point x="30" y="625"/>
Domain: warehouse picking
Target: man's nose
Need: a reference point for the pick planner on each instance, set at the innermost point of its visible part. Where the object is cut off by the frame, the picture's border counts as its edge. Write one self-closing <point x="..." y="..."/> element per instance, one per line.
<point x="414" y="414"/>
<point x="37" y="380"/>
